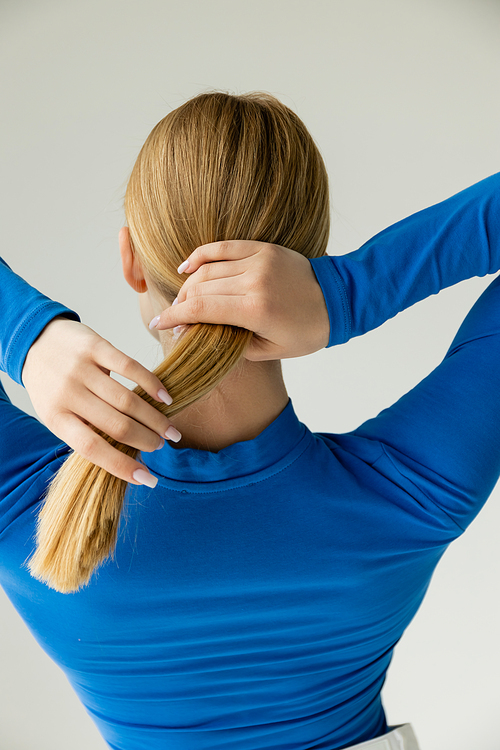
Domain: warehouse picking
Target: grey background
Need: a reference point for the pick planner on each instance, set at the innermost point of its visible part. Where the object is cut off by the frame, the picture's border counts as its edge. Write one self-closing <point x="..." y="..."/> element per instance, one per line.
<point x="402" y="97"/>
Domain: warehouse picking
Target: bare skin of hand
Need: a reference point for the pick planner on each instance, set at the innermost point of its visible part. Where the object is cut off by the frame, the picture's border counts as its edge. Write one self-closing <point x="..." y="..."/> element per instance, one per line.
<point x="265" y="288"/>
<point x="67" y="376"/>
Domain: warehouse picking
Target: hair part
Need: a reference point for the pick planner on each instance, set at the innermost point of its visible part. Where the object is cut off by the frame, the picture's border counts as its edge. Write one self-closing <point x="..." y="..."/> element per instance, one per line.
<point x="219" y="167"/>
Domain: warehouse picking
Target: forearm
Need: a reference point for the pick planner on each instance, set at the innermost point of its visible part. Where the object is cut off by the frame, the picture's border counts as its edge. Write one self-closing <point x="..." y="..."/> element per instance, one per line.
<point x="428" y="251"/>
<point x="24" y="313"/>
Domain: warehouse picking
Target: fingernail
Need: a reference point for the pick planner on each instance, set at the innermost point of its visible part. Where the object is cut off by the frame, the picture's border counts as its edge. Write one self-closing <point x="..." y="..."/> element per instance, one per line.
<point x="161" y="444"/>
<point x="144" y="477"/>
<point x="165" y="397"/>
<point x="154" y="322"/>
<point x="177" y="332"/>
<point x="175" y="302"/>
<point x="183" y="267"/>
<point x="173" y="434"/>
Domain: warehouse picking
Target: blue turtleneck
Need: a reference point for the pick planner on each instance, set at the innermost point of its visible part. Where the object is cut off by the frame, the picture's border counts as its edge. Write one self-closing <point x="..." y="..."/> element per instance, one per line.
<point x="258" y="592"/>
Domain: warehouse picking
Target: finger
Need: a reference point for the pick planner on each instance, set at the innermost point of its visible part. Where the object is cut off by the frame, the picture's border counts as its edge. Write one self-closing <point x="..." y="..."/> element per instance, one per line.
<point x="114" y="423"/>
<point x="217" y="251"/>
<point x="233" y="286"/>
<point x="211" y="271"/>
<point x="222" y="291"/>
<point x="98" y="451"/>
<point x="222" y="309"/>
<point x="113" y="360"/>
<point x="129" y="403"/>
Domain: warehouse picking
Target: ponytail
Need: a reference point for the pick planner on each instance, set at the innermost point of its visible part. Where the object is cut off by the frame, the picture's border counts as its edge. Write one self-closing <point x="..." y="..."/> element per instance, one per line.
<point x="78" y="523"/>
<point x="219" y="167"/>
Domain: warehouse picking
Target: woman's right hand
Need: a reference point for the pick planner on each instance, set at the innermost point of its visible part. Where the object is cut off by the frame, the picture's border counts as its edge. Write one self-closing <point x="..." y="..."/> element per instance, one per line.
<point x="265" y="288"/>
<point x="67" y="374"/>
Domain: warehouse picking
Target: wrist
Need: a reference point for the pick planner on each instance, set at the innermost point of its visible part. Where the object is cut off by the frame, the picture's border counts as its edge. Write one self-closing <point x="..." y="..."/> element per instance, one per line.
<point x="35" y="346"/>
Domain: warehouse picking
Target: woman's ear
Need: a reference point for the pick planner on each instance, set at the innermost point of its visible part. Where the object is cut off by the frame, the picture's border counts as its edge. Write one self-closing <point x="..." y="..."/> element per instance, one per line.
<point x="132" y="269"/>
<point x="134" y="276"/>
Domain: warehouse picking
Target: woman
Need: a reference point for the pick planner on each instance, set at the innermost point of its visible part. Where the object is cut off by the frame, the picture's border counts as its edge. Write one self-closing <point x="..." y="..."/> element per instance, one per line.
<point x="260" y="584"/>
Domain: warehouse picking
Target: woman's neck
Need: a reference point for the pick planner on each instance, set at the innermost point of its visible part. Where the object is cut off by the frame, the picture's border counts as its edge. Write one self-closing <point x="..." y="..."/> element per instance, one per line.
<point x="240" y="408"/>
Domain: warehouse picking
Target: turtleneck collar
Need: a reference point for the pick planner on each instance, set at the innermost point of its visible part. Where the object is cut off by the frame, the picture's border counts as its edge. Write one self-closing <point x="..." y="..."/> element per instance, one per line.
<point x="245" y="459"/>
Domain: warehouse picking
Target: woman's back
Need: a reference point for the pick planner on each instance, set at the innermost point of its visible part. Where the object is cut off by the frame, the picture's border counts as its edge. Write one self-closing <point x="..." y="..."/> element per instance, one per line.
<point x="256" y="596"/>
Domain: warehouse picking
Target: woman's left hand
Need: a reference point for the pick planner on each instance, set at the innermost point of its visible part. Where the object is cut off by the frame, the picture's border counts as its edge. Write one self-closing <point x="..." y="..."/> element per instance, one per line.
<point x="67" y="376"/>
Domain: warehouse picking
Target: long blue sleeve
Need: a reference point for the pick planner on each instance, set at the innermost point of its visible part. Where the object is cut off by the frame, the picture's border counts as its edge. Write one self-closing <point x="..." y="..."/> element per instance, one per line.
<point x="26" y="445"/>
<point x="430" y="250"/>
<point x="24" y="313"/>
<point x="443" y="436"/>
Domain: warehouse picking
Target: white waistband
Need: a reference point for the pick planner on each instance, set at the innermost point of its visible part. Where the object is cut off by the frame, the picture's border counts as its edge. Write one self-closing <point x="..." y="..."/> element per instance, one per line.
<point x="400" y="738"/>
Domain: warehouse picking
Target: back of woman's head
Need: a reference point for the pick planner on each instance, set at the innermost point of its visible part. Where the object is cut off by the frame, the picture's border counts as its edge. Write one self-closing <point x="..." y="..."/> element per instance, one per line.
<point x="218" y="167"/>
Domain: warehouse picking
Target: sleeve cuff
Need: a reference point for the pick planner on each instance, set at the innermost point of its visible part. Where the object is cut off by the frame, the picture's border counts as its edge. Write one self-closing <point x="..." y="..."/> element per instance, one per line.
<point x="336" y="299"/>
<point x="29" y="329"/>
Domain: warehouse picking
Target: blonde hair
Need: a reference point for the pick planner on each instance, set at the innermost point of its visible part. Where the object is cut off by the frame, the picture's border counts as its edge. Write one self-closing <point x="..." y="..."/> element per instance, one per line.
<point x="218" y="167"/>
